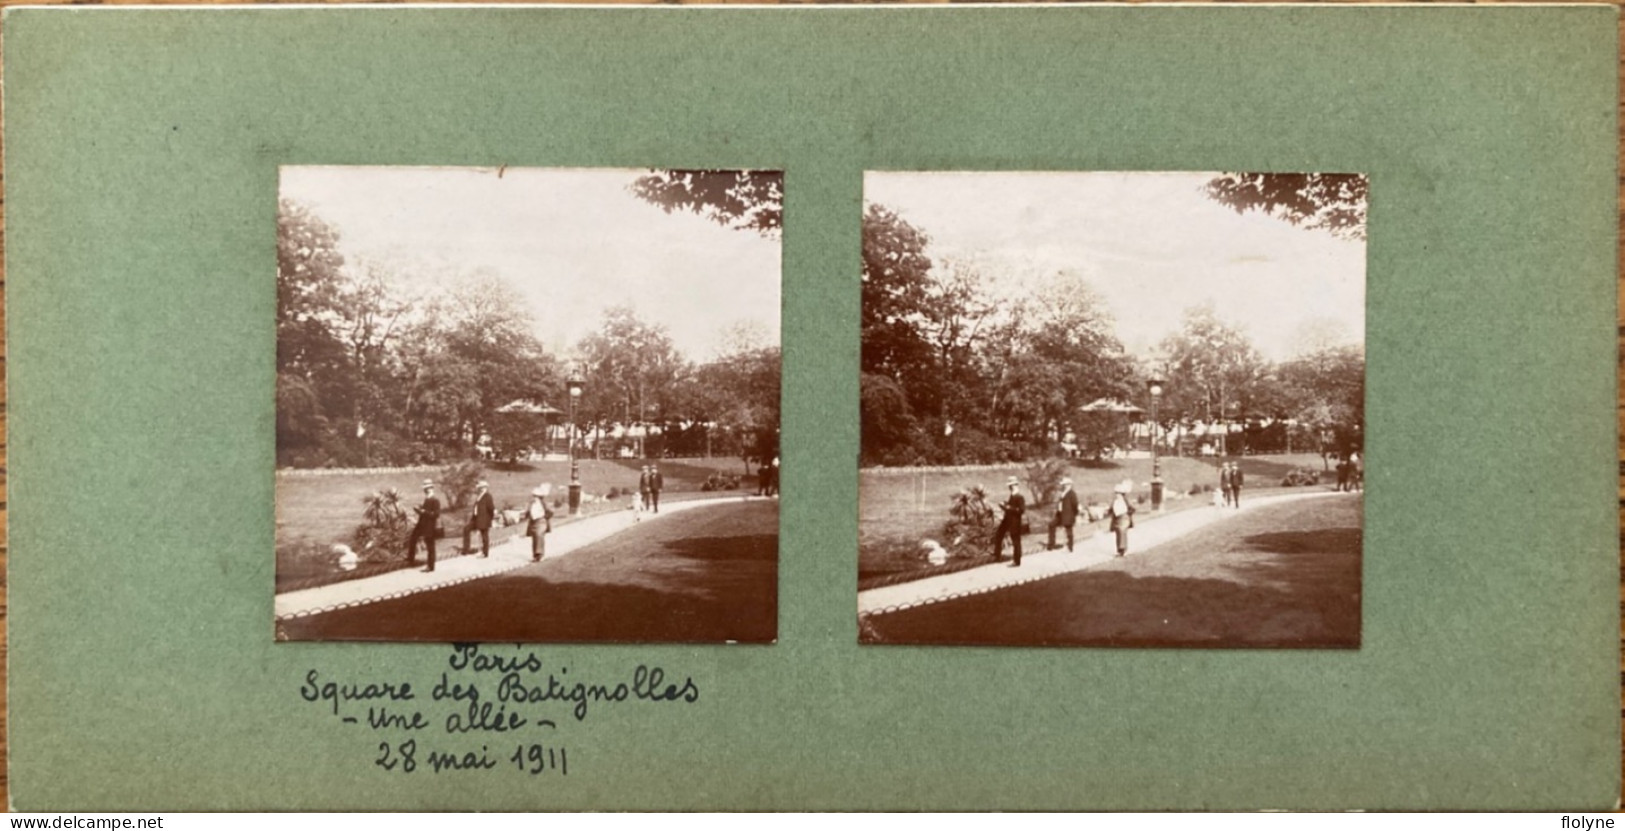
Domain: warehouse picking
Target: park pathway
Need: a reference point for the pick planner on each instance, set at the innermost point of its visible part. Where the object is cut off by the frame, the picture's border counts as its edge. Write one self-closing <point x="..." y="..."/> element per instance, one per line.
<point x="451" y="571"/>
<point x="1040" y="564"/>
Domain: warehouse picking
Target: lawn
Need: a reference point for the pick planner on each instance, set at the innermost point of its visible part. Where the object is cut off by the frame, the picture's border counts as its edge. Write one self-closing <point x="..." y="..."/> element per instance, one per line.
<point x="706" y="575"/>
<point x="900" y="509"/>
<point x="1286" y="575"/>
<point x="327" y="509"/>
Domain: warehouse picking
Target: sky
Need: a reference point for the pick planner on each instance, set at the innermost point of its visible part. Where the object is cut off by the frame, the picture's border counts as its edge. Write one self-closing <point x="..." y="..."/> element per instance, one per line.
<point x="571" y="242"/>
<point x="1151" y="244"/>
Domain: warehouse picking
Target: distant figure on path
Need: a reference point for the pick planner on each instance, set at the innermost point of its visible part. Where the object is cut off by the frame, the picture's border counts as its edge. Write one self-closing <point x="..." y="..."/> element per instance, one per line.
<point x="1235" y="482"/>
<point x="1121" y="514"/>
<point x="485" y="510"/>
<point x="538" y="521"/>
<point x="428" y="524"/>
<point x="645" y="483"/>
<point x="1227" y="483"/>
<point x="1013" y="506"/>
<point x="767" y="478"/>
<point x="1356" y="471"/>
<point x="656" y="482"/>
<point x="1342" y="474"/>
<point x="1066" y="515"/>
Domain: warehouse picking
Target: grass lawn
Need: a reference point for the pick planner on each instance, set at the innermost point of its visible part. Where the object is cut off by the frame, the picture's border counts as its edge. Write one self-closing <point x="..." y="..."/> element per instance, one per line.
<point x="1283" y="576"/>
<point x="899" y="510"/>
<point x="706" y="575"/>
<point x="327" y="509"/>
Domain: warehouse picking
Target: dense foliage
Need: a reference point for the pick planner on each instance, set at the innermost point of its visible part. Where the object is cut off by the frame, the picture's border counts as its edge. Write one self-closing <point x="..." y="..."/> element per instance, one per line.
<point x="959" y="369"/>
<point x="370" y="373"/>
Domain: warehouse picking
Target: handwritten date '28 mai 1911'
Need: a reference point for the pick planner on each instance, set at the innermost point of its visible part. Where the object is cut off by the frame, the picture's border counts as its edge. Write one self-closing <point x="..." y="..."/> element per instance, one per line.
<point x="534" y="759"/>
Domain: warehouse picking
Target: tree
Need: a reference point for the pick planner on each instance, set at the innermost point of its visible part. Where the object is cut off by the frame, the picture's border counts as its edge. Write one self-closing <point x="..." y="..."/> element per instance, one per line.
<point x="738" y="396"/>
<point x="310" y="361"/>
<point x="896" y="298"/>
<point x="468" y="353"/>
<point x="742" y="199"/>
<point x="1326" y="389"/>
<point x="634" y="369"/>
<point x="959" y="315"/>
<point x="1334" y="202"/>
<point x="1212" y="368"/>
<point x="308" y="280"/>
<point x="887" y="425"/>
<point x="1070" y="329"/>
<point x="368" y="312"/>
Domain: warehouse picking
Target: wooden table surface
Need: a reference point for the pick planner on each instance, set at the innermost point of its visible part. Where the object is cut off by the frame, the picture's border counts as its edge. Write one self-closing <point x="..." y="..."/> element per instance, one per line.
<point x="4" y="792"/>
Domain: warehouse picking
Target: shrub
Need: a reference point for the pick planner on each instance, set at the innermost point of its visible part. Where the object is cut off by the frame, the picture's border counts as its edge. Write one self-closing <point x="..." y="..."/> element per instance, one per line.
<point x="1196" y="489"/>
<point x="458" y="481"/>
<point x="970" y="521"/>
<point x="1301" y="477"/>
<point x="384" y="525"/>
<point x="1044" y="480"/>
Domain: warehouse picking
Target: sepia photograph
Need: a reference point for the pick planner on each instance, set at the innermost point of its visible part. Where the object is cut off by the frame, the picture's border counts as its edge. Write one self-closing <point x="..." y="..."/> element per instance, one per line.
<point x="1112" y="409"/>
<point x="527" y="404"/>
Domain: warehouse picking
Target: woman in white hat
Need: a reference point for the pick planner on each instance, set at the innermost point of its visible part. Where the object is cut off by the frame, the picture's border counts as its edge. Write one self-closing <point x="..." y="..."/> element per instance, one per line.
<point x="538" y="521"/>
<point x="1122" y="515"/>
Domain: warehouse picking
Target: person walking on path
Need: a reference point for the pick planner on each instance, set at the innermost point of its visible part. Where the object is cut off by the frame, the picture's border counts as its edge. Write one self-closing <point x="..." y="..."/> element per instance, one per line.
<point x="1010" y="525"/>
<point x="1066" y="515"/>
<point x="1225" y="484"/>
<point x="1356" y="472"/>
<point x="538" y="521"/>
<point x="427" y="526"/>
<point x="656" y="482"/>
<point x="485" y="510"/>
<point x="1235" y="483"/>
<point x="1121" y="514"/>
<point x="644" y="482"/>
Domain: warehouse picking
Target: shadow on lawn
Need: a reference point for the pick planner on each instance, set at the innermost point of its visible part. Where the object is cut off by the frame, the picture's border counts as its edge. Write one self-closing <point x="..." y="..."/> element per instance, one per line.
<point x="1316" y="541"/>
<point x="754" y="547"/>
<point x="696" y="590"/>
<point x="1292" y="590"/>
<point x="534" y="609"/>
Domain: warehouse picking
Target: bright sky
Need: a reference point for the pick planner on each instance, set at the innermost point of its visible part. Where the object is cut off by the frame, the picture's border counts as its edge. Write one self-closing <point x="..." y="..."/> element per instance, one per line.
<point x="571" y="242"/>
<point x="1150" y="243"/>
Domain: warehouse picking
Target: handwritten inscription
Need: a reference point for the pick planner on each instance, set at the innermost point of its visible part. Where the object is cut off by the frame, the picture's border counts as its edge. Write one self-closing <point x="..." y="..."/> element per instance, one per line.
<point x="484" y="696"/>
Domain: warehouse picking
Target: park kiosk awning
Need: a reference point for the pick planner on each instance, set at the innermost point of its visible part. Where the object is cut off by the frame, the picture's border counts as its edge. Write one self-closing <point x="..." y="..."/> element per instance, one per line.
<point x="527" y="407"/>
<point x="1110" y="405"/>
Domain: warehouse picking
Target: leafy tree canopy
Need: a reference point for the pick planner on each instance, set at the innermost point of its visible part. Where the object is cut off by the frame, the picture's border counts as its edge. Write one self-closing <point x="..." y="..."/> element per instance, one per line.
<point x="1333" y="202"/>
<point x="743" y="199"/>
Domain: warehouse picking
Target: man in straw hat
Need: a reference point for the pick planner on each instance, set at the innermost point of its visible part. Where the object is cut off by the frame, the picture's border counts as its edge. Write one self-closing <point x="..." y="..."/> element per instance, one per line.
<point x="427" y="526"/>
<point x="479" y="519"/>
<point x="1013" y="506"/>
<point x="1066" y="514"/>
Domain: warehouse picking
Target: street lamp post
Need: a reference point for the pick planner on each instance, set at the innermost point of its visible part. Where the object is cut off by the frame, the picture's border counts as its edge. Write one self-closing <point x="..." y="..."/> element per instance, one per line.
<point x="574" y="384"/>
<point x="1155" y="386"/>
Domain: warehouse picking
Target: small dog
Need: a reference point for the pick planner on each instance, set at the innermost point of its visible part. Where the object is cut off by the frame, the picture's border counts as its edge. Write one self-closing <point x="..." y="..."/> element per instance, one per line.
<point x="637" y="508"/>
